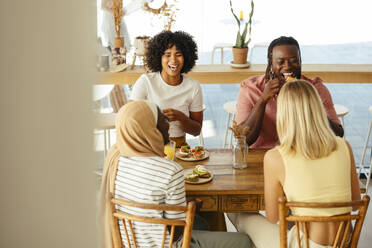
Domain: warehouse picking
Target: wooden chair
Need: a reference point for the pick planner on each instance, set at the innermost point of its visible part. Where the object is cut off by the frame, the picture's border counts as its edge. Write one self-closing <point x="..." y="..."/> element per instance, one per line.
<point x="230" y="108"/>
<point x="128" y="218"/>
<point x="344" y="220"/>
<point x="117" y="98"/>
<point x="106" y="121"/>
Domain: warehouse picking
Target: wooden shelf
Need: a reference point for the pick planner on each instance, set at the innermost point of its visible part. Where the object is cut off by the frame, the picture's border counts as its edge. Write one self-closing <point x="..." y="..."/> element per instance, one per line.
<point x="224" y="74"/>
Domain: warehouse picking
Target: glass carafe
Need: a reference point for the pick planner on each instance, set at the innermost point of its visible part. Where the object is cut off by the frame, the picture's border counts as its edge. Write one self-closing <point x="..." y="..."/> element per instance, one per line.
<point x="240" y="153"/>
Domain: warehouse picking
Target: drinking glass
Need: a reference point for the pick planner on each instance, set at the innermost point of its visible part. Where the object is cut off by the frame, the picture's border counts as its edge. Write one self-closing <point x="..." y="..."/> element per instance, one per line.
<point x="170" y="150"/>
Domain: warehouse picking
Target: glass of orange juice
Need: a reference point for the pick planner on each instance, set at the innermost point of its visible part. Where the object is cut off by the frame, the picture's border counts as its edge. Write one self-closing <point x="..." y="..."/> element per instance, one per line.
<point x="170" y="149"/>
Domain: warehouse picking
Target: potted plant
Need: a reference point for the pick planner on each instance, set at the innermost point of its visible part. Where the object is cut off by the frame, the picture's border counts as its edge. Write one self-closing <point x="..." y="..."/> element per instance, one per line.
<point x="240" y="50"/>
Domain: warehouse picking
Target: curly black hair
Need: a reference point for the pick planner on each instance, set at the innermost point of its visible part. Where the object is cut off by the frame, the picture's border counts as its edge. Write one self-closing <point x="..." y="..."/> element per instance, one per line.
<point x="167" y="39"/>
<point x="282" y="40"/>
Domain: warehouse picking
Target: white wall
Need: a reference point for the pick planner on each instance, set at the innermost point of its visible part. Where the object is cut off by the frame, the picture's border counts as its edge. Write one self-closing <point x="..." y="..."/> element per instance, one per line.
<point x="310" y="22"/>
<point x="47" y="188"/>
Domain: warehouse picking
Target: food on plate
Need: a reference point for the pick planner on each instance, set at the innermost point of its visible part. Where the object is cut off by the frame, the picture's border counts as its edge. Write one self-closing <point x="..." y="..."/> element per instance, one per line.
<point x="185" y="151"/>
<point x="201" y="171"/>
<point x="192" y="177"/>
<point x="198" y="152"/>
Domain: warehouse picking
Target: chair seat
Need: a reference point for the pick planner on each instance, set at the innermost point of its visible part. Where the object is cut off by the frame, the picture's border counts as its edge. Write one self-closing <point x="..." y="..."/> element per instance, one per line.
<point x="105" y="121"/>
<point x="341" y="110"/>
<point x="230" y="107"/>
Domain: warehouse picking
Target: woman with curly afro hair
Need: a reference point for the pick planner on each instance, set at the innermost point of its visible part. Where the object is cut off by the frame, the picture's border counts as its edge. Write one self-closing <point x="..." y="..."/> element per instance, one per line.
<point x="169" y="55"/>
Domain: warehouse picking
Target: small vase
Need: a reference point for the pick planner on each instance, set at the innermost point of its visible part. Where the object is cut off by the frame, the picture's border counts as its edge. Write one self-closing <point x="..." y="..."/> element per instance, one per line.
<point x="240" y="55"/>
<point x="119" y="42"/>
<point x="240" y="153"/>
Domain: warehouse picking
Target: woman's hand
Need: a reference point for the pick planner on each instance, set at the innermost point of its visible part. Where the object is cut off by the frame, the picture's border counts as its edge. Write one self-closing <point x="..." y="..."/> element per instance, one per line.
<point x="191" y="125"/>
<point x="174" y="115"/>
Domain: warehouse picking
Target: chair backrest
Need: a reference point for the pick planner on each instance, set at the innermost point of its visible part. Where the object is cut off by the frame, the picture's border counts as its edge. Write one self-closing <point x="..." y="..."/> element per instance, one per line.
<point x="344" y="220"/>
<point x="117" y="98"/>
<point x="127" y="220"/>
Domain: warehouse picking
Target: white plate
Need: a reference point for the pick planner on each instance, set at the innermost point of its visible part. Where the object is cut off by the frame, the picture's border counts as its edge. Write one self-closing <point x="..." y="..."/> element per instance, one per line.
<point x="246" y="65"/>
<point x="206" y="155"/>
<point x="201" y="180"/>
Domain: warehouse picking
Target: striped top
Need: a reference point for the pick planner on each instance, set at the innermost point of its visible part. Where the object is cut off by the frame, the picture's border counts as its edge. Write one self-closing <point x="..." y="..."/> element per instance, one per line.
<point x="152" y="180"/>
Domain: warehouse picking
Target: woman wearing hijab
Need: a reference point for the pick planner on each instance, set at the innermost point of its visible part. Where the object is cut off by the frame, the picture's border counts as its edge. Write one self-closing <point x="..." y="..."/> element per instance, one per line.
<point x="135" y="169"/>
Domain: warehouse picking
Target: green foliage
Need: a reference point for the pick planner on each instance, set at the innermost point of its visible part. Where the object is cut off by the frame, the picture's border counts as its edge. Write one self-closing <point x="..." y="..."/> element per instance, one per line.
<point x="241" y="37"/>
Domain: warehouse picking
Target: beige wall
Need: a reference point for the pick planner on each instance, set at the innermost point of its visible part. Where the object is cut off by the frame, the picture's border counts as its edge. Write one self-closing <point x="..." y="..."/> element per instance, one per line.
<point x="46" y="70"/>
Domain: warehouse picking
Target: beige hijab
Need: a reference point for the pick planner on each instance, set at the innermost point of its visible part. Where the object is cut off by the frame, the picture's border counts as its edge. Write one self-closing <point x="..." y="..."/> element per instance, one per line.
<point x="136" y="136"/>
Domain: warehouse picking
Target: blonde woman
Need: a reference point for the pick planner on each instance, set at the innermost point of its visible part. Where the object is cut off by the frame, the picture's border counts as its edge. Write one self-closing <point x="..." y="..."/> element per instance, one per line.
<point x="310" y="164"/>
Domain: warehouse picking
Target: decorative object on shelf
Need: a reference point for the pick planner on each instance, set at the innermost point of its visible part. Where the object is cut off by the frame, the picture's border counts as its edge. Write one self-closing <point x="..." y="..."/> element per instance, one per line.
<point x="240" y="147"/>
<point x="103" y="62"/>
<point x="240" y="50"/>
<point x="118" y="56"/>
<point x="117" y="9"/>
<point x="157" y="11"/>
<point x="140" y="46"/>
<point x="119" y="51"/>
<point x="167" y="12"/>
<point x="103" y="57"/>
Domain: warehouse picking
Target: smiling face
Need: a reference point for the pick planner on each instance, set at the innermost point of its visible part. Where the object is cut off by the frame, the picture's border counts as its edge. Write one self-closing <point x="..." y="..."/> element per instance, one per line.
<point x="286" y="61"/>
<point x="172" y="62"/>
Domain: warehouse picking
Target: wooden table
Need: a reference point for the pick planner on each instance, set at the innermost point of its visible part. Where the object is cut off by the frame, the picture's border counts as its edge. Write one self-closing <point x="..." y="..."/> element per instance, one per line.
<point x="231" y="190"/>
<point x="225" y="74"/>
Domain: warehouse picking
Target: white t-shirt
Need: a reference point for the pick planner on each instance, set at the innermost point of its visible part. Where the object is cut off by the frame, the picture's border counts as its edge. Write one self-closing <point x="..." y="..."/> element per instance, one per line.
<point x="185" y="97"/>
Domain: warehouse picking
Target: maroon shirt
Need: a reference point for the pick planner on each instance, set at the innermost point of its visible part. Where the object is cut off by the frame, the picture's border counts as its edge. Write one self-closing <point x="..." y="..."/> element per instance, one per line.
<point x="251" y="90"/>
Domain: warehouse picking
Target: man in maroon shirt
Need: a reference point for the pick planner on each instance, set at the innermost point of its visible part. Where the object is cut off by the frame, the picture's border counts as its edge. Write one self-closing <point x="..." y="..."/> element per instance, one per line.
<point x="256" y="105"/>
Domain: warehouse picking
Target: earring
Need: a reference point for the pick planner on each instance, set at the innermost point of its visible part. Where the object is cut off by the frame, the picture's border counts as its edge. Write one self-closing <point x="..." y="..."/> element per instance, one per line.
<point x="271" y="72"/>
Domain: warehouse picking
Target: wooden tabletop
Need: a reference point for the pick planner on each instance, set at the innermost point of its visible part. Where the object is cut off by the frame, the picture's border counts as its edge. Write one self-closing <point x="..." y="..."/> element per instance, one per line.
<point x="228" y="180"/>
<point x="225" y="74"/>
<point x="231" y="190"/>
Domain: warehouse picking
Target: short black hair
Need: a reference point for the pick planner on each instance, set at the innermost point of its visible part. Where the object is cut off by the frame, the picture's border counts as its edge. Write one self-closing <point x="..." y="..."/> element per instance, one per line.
<point x="282" y="40"/>
<point x="167" y="39"/>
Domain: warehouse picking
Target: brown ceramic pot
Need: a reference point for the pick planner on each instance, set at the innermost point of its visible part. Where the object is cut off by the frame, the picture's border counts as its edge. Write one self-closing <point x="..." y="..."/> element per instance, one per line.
<point x="240" y="55"/>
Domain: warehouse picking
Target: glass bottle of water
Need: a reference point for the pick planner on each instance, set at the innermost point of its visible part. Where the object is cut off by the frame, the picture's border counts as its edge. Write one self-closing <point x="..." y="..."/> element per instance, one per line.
<point x="240" y="153"/>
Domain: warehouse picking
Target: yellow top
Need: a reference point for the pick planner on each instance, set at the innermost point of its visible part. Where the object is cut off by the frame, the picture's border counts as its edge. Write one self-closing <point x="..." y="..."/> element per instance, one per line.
<point x="326" y="179"/>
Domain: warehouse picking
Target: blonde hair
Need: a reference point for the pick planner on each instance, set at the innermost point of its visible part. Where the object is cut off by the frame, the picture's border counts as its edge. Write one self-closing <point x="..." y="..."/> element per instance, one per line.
<point x="302" y="123"/>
